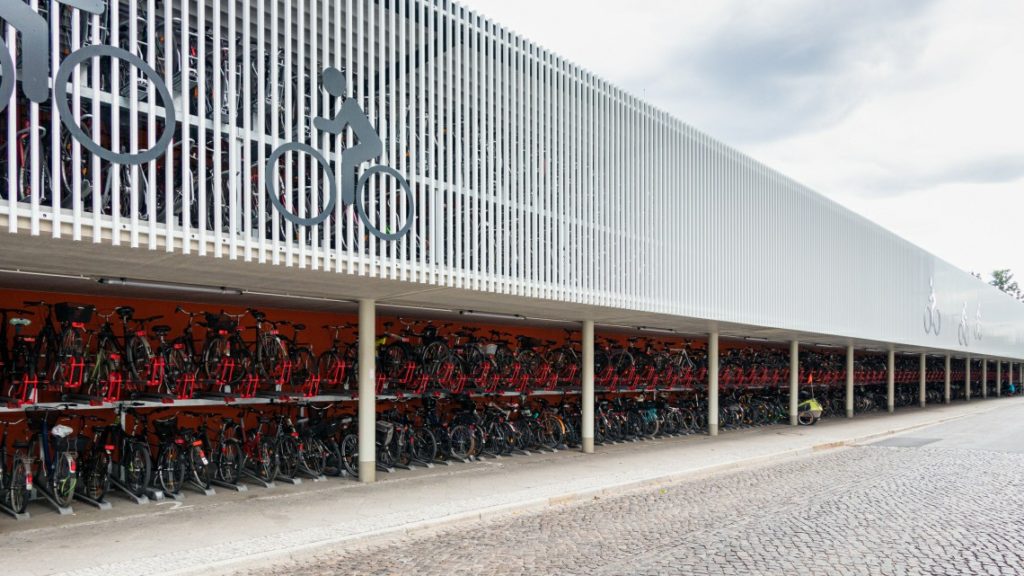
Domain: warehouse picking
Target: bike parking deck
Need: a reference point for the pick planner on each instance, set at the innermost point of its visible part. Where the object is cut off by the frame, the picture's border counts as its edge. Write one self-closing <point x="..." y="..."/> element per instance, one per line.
<point x="199" y="534"/>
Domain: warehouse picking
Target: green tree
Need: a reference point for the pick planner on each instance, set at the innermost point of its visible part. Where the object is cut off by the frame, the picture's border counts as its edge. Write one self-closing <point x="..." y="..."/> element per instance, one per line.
<point x="1003" y="279"/>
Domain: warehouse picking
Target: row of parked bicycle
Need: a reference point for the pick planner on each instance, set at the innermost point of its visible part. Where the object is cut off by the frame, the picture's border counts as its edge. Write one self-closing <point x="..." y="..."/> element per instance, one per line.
<point x="78" y="351"/>
<point x="59" y="453"/>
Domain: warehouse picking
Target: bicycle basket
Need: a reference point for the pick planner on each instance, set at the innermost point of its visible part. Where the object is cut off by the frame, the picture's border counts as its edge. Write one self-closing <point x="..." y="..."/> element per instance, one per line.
<point x="70" y="312"/>
<point x="166" y="428"/>
<point x="36" y="417"/>
<point x="220" y="322"/>
<point x="384" y="431"/>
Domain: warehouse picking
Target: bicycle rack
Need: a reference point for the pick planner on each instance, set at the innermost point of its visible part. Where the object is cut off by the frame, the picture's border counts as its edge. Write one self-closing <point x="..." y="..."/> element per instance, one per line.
<point x="335" y="379"/>
<point x="225" y="373"/>
<point x="187" y="387"/>
<point x="204" y="491"/>
<point x="100" y="504"/>
<point x="249" y="387"/>
<point x="282" y="374"/>
<point x="38" y="490"/>
<point x="311" y="387"/>
<point x="156" y="375"/>
<point x="25" y="394"/>
<point x="244" y="471"/>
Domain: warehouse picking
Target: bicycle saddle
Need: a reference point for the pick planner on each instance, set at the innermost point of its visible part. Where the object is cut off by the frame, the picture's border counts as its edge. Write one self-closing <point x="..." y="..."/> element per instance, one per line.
<point x="20" y="322"/>
<point x="259" y="316"/>
<point x="125" y="311"/>
<point x="299" y="327"/>
<point x="161" y="329"/>
<point x="148" y="319"/>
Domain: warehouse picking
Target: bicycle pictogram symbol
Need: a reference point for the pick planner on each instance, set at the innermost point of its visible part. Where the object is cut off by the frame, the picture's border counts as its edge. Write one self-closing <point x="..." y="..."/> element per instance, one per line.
<point x="932" y="315"/>
<point x="35" y="43"/>
<point x="977" y="323"/>
<point x="368" y="147"/>
<point x="963" y="331"/>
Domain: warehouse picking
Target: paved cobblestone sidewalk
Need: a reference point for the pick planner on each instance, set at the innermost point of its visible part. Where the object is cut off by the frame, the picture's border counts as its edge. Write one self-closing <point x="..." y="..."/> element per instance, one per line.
<point x="863" y="510"/>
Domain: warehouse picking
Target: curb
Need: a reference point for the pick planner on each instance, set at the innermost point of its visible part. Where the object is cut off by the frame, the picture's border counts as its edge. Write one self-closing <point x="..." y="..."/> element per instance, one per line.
<point x="424" y="527"/>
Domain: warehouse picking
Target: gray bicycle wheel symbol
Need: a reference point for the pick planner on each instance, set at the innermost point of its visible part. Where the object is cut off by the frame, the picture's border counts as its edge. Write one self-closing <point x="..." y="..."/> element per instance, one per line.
<point x="331" y="192"/>
<point x="7" y="81"/>
<point x="60" y="95"/>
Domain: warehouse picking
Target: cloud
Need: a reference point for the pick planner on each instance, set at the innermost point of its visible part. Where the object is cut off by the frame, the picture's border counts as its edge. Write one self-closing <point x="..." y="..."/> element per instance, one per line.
<point x="898" y="180"/>
<point x="769" y="71"/>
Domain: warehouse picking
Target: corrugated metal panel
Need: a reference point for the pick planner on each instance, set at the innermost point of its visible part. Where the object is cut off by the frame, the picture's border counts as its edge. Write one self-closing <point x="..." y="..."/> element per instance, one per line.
<point x="530" y="175"/>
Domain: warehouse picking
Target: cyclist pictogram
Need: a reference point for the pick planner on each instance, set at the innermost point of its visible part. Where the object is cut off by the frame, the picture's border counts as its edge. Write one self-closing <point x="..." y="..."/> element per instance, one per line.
<point x="963" y="331"/>
<point x="35" y="72"/>
<point x="368" y="147"/>
<point x="977" y="323"/>
<point x="932" y="315"/>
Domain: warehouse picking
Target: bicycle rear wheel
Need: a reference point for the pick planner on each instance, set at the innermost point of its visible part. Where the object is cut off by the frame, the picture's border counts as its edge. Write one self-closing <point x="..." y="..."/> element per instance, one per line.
<point x="350" y="454"/>
<point x="170" y="469"/>
<point x="228" y="457"/>
<point x="200" y="466"/>
<point x="18" y="491"/>
<point x="136" y="464"/>
<point x="64" y="479"/>
<point x="96" y="478"/>
<point x="461" y="442"/>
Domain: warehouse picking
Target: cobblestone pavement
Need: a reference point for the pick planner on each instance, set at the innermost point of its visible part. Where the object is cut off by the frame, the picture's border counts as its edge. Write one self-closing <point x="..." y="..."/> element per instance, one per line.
<point x="862" y="510"/>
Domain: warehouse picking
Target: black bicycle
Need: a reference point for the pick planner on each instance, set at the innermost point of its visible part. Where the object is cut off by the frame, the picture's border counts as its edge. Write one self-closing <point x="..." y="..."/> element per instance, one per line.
<point x="57" y="466"/>
<point x="15" y="471"/>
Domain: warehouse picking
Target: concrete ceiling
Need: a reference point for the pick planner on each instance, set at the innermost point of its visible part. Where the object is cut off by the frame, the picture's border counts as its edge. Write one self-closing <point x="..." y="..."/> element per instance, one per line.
<point x="48" y="264"/>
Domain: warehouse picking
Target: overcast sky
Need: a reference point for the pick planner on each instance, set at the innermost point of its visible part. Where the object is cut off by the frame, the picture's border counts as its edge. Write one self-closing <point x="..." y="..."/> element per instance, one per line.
<point x="909" y="112"/>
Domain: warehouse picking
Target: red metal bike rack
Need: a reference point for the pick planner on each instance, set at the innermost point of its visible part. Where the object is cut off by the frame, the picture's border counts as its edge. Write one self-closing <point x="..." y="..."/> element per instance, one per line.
<point x="75" y="373"/>
<point x="283" y="373"/>
<point x="225" y="373"/>
<point x="250" y="384"/>
<point x="156" y="373"/>
<point x="311" y="387"/>
<point x="186" y="387"/>
<point x="113" y="389"/>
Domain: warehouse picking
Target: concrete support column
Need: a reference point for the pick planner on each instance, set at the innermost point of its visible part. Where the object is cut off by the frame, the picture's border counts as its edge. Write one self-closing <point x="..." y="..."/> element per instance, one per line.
<point x="1009" y="378"/>
<point x="367" y="392"/>
<point x="794" y="381"/>
<point x="922" y="392"/>
<point x="947" y="390"/>
<point x="890" y="381"/>
<point x="999" y="378"/>
<point x="713" y="384"/>
<point x="849" y="381"/>
<point x="587" y="428"/>
<point x="984" y="378"/>
<point x="967" y="379"/>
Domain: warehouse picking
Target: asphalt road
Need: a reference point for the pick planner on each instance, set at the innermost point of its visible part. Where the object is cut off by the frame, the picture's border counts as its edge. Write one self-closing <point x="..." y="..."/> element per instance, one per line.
<point x="946" y="499"/>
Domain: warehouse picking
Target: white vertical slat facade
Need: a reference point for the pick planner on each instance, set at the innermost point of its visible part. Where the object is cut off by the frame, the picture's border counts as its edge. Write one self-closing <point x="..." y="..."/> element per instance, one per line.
<point x="530" y="175"/>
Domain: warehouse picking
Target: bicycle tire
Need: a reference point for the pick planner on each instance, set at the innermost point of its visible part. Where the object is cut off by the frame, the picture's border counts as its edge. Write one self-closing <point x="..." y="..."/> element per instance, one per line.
<point x="200" y="469"/>
<point x="289" y="456"/>
<point x="170" y="469"/>
<point x="138" y="355"/>
<point x="228" y="456"/>
<point x="96" y="477"/>
<point x="350" y="454"/>
<point x="269" y="462"/>
<point x="461" y="442"/>
<point x="64" y="479"/>
<point x="18" y="492"/>
<point x="136" y="465"/>
<point x="424" y="448"/>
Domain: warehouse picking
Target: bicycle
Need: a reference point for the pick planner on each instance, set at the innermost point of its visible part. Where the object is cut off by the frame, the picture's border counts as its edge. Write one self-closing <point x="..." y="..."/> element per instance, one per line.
<point x="15" y="471"/>
<point x="95" y="459"/>
<point x="57" y="465"/>
<point x="932" y="316"/>
<point x="57" y="350"/>
<point x="369" y="147"/>
<point x="35" y="81"/>
<point x="132" y="460"/>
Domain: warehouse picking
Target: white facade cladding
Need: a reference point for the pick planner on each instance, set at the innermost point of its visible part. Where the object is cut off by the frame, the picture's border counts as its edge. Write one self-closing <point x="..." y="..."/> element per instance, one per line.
<point x="529" y="175"/>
